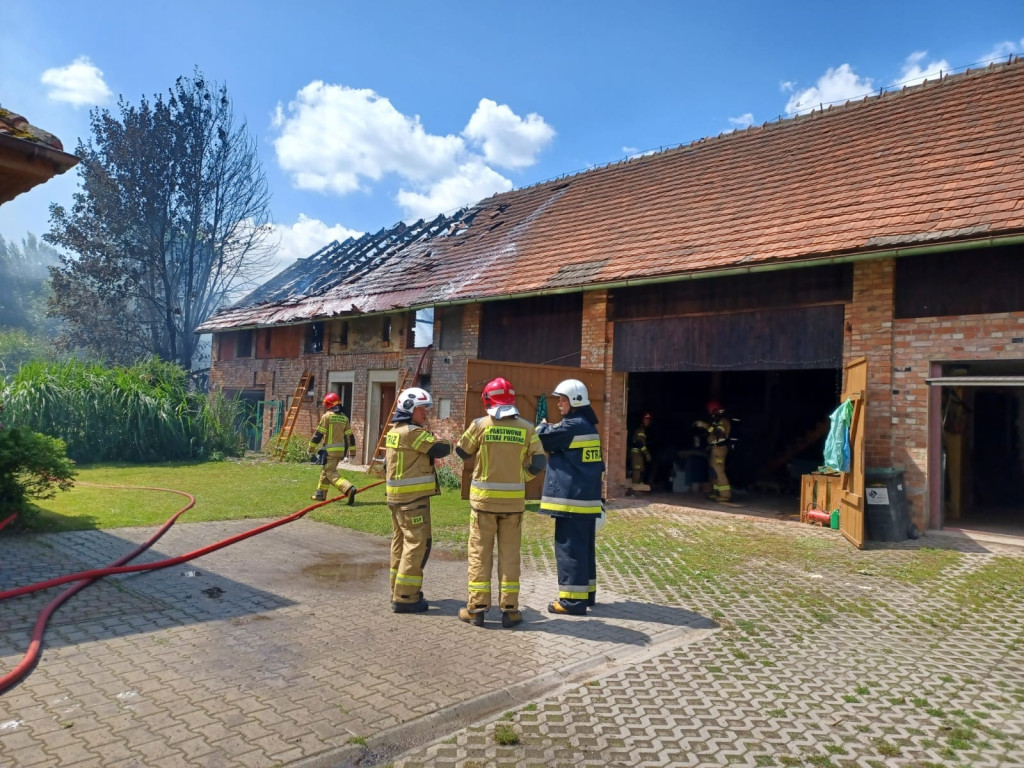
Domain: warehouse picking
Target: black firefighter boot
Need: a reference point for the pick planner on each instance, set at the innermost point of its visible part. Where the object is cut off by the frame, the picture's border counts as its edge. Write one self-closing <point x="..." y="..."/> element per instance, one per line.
<point x="319" y="495"/>
<point x="351" y="496"/>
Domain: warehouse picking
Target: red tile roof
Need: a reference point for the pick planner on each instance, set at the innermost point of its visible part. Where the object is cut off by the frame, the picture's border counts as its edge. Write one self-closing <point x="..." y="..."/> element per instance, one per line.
<point x="942" y="161"/>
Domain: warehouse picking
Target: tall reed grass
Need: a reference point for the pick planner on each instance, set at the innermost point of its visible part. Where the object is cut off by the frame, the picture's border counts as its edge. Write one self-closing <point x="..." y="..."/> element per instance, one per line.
<point x="141" y="413"/>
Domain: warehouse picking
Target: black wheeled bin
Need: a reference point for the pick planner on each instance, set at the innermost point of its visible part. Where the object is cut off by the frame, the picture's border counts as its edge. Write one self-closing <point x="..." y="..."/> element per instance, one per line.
<point x="885" y="509"/>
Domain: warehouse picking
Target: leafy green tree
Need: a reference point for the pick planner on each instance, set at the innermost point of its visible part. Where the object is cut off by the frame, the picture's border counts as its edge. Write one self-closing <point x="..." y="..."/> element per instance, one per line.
<point x="171" y="216"/>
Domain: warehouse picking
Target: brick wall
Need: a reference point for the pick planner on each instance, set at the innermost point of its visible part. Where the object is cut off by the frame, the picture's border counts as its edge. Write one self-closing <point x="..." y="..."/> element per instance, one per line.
<point x="919" y="342"/>
<point x="869" y="324"/>
<point x="900" y="354"/>
<point x="597" y="353"/>
<point x="365" y="352"/>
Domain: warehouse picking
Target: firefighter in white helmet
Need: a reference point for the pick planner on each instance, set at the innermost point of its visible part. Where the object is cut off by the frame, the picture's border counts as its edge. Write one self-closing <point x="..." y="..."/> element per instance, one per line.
<point x="340" y="445"/>
<point x="508" y="454"/>
<point x="572" y="495"/>
<point x="411" y="481"/>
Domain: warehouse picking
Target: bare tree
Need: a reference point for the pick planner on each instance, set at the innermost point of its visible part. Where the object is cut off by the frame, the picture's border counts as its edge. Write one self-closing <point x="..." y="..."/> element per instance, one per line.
<point x="171" y="215"/>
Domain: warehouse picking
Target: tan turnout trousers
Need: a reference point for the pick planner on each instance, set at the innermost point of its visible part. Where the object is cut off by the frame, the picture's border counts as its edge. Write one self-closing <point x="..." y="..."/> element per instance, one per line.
<point x="484" y="527"/>
<point x="410" y="548"/>
<point x="329" y="474"/>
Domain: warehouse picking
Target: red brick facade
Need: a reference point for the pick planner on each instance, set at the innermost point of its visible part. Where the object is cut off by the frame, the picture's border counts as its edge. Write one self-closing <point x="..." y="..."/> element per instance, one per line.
<point x="900" y="355"/>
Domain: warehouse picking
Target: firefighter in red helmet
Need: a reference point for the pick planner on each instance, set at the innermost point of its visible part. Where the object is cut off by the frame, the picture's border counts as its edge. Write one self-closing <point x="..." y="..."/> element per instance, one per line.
<point x="340" y="444"/>
<point x="508" y="453"/>
<point x="718" y="428"/>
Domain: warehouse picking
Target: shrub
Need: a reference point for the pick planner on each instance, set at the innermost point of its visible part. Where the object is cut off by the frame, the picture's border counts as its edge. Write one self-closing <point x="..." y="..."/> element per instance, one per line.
<point x="31" y="466"/>
<point x="295" y="452"/>
<point x="141" y="413"/>
<point x="448" y="477"/>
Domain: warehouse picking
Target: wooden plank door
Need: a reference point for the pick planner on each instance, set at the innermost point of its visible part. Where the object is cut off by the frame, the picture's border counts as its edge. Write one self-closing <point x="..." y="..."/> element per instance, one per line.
<point x="531" y="382"/>
<point x="385" y="405"/>
<point x="851" y="498"/>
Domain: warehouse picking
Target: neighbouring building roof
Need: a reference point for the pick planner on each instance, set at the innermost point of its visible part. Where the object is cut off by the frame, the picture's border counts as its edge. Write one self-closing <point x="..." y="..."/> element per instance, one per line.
<point x="28" y="155"/>
<point x="938" y="162"/>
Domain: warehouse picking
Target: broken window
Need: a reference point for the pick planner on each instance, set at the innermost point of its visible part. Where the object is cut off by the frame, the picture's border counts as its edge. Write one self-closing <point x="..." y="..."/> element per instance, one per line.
<point x="385" y="329"/>
<point x="243" y="344"/>
<point x="314" y="339"/>
<point x="341" y="338"/>
<point x="421" y="328"/>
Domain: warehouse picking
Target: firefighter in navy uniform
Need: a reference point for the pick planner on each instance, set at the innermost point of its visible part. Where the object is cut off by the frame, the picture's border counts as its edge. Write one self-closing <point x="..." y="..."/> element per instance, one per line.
<point x="508" y="454"/>
<point x="339" y="444"/>
<point x="572" y="495"/>
<point x="410" y="482"/>
<point x="718" y="428"/>
<point x="639" y="452"/>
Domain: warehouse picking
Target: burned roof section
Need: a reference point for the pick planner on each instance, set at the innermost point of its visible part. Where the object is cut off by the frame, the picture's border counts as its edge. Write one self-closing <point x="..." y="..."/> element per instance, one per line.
<point x="939" y="162"/>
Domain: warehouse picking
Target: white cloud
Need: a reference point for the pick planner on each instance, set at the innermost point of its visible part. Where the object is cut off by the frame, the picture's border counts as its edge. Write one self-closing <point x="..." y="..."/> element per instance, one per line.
<point x="1004" y="49"/>
<point x="472" y="181"/>
<point x="304" y="238"/>
<point x="836" y="85"/>
<point x="507" y="139"/>
<point x="79" y="83"/>
<point x="914" y="74"/>
<point x="334" y="137"/>
<point x="338" y="140"/>
<point x="632" y="153"/>
<point x="787" y="86"/>
<point x="742" y="122"/>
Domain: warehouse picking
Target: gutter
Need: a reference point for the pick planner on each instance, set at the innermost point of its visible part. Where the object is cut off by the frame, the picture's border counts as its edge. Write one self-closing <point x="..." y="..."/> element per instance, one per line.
<point x="960" y="245"/>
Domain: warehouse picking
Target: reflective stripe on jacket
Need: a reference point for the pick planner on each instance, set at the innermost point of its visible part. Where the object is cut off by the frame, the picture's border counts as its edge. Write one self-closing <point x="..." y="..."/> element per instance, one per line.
<point x="572" y="485"/>
<point x="410" y="472"/>
<point x="336" y="433"/>
<point x="503" y="450"/>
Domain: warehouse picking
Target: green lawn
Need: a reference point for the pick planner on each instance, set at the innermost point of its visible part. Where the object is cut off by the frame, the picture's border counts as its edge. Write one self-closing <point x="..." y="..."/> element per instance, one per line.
<point x="233" y="490"/>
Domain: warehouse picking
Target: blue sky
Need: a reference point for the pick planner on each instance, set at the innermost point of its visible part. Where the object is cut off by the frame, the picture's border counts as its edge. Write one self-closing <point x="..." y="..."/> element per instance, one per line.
<point x="367" y="113"/>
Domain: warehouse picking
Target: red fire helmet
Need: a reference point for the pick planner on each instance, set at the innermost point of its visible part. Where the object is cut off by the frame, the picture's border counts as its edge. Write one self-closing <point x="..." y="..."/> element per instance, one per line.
<point x="497" y="392"/>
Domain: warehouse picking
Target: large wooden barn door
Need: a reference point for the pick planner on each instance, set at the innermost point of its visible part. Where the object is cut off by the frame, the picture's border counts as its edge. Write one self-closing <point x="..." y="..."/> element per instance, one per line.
<point x="531" y="382"/>
<point x="851" y="500"/>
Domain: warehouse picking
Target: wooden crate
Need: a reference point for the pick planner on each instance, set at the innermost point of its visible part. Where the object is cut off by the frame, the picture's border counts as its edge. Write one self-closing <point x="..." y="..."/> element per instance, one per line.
<point x="823" y="490"/>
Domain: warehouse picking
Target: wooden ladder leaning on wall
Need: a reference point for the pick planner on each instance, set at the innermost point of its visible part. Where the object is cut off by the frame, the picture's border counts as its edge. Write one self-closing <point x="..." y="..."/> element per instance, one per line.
<point x="291" y="416"/>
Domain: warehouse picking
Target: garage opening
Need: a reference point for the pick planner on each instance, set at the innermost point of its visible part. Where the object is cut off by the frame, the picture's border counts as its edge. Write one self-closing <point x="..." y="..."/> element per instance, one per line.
<point x="780" y="422"/>
<point x="982" y="446"/>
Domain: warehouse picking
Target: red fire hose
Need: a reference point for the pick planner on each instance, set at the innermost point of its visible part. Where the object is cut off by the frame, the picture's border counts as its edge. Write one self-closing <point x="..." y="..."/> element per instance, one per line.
<point x="85" y="578"/>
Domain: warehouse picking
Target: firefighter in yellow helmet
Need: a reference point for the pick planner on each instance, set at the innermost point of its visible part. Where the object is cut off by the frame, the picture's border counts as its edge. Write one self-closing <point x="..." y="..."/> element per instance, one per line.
<point x="411" y="481"/>
<point x="340" y="445"/>
<point x="508" y="454"/>
<point x="718" y="428"/>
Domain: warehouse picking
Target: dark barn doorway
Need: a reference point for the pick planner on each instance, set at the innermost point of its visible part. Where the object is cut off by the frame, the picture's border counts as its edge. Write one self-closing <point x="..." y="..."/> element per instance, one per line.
<point x="781" y="419"/>
<point x="982" y="447"/>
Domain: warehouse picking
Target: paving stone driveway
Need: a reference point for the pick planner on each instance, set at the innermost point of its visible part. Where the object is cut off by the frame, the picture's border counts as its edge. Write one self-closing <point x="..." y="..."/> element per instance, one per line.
<point x="281" y="651"/>
<point x="839" y="661"/>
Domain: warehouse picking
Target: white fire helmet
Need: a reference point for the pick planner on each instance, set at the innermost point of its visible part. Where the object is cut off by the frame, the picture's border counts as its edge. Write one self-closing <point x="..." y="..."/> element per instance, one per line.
<point x="575" y="390"/>
<point x="414" y="397"/>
